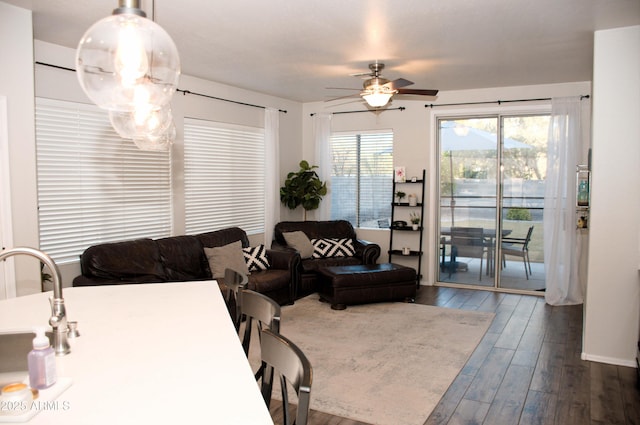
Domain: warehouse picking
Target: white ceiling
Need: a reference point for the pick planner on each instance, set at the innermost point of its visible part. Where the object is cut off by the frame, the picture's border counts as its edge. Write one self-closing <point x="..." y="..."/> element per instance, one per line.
<point x="296" y="48"/>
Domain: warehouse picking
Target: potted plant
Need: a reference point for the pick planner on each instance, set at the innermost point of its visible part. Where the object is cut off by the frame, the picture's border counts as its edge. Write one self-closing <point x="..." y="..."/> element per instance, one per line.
<point x="415" y="220"/>
<point x="400" y="195"/>
<point x="303" y="187"/>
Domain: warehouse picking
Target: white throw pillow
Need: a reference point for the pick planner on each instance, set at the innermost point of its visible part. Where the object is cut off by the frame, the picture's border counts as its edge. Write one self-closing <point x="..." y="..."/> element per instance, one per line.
<point x="326" y="248"/>
<point x="256" y="258"/>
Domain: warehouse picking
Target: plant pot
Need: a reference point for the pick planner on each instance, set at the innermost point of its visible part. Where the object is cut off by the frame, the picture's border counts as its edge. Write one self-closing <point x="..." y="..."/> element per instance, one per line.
<point x="415" y="226"/>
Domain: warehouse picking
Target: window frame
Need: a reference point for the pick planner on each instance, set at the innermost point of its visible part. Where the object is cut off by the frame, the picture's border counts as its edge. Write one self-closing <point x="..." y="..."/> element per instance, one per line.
<point x="380" y="136"/>
<point x="93" y="186"/>
<point x="239" y="163"/>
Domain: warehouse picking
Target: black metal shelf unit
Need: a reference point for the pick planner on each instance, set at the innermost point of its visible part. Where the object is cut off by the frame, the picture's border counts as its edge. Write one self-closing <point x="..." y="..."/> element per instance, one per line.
<point x="419" y="206"/>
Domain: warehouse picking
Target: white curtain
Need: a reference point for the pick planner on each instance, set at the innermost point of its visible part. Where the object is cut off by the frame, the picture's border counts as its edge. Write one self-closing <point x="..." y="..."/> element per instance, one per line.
<point x="321" y="137"/>
<point x="560" y="234"/>
<point x="272" y="173"/>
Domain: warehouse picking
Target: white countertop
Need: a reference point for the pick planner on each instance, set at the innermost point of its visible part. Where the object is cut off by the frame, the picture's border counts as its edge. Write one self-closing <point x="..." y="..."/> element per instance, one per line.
<point x="150" y="353"/>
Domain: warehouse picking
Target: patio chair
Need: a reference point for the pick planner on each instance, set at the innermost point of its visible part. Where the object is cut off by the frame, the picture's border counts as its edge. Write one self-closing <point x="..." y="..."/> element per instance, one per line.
<point x="467" y="242"/>
<point x="518" y="247"/>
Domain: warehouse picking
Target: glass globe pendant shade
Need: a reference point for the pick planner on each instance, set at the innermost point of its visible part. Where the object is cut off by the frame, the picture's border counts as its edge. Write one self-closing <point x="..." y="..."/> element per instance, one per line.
<point x="125" y="60"/>
<point x="377" y="99"/>
<point x="144" y="121"/>
<point x="157" y="143"/>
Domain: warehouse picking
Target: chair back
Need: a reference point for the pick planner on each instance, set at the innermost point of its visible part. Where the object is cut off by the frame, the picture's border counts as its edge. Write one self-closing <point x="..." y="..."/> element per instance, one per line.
<point x="527" y="239"/>
<point x="235" y="283"/>
<point x="469" y="241"/>
<point x="260" y="309"/>
<point x="283" y="356"/>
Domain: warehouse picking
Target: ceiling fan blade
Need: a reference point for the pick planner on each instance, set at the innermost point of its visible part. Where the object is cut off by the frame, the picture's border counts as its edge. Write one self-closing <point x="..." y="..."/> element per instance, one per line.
<point x="422" y="92"/>
<point x="341" y="88"/>
<point x="342" y="97"/>
<point x="362" y="74"/>
<point x="396" y="84"/>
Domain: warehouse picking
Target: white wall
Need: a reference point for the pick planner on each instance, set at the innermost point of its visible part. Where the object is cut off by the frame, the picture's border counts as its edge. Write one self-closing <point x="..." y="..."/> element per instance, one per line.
<point x="613" y="291"/>
<point x="16" y="83"/>
<point x="414" y="143"/>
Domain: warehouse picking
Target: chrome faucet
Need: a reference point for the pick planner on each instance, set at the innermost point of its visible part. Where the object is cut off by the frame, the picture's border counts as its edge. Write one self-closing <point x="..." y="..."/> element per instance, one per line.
<point x="58" y="320"/>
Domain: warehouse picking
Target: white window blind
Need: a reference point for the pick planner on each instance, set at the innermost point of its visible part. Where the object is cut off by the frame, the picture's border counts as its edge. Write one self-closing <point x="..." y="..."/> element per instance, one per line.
<point x="223" y="176"/>
<point x="362" y="177"/>
<point x="93" y="186"/>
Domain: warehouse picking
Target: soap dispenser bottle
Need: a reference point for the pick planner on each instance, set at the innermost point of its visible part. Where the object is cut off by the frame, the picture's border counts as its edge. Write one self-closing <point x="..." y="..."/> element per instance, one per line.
<point x="41" y="361"/>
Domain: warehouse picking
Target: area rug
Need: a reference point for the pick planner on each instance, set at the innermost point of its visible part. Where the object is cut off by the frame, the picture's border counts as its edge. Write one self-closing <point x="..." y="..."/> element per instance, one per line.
<point x="384" y="363"/>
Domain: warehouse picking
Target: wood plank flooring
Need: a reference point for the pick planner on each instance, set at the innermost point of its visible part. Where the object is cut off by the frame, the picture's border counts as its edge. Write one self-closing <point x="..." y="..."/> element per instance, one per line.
<point x="526" y="370"/>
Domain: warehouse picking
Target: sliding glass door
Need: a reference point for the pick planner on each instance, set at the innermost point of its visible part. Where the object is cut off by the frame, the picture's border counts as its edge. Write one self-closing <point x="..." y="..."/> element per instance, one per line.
<point x="491" y="179"/>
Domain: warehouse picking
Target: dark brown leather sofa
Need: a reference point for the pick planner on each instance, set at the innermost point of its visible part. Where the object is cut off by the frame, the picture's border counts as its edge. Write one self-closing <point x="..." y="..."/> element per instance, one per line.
<point x="365" y="252"/>
<point x="182" y="258"/>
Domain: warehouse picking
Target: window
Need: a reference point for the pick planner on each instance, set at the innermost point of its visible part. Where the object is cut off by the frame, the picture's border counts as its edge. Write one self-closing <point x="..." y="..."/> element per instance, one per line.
<point x="223" y="176"/>
<point x="93" y="186"/>
<point x="362" y="178"/>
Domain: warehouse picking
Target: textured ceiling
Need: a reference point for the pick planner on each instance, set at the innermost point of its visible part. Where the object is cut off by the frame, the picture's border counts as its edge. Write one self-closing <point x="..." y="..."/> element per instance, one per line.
<point x="296" y="49"/>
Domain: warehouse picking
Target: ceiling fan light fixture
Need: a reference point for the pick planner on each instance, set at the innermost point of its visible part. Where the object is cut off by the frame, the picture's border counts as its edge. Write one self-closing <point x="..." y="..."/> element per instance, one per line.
<point x="123" y="54"/>
<point x="377" y="99"/>
<point x="377" y="95"/>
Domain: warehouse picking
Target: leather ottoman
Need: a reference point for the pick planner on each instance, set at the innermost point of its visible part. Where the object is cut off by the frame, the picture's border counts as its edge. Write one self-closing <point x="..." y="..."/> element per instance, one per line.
<point x="366" y="283"/>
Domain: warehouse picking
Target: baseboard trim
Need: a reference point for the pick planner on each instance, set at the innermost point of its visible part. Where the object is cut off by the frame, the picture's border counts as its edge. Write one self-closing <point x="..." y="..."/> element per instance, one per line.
<point x="609" y="360"/>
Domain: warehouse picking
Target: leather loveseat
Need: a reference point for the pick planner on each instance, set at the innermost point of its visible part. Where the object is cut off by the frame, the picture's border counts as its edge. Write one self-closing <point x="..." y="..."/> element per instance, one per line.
<point x="365" y="252"/>
<point x="182" y="258"/>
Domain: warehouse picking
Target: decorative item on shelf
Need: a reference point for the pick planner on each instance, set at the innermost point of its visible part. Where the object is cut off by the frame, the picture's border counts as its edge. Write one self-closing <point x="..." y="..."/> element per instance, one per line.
<point x="400" y="196"/>
<point x="583" y="175"/>
<point x="400" y="175"/>
<point x="406" y="250"/>
<point x="413" y="200"/>
<point x="303" y="187"/>
<point x="583" y="193"/>
<point x="414" y="179"/>
<point x="582" y="222"/>
<point x="415" y="220"/>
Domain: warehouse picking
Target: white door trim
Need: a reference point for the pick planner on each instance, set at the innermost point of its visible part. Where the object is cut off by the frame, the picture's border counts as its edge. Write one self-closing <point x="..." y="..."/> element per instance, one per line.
<point x="7" y="269"/>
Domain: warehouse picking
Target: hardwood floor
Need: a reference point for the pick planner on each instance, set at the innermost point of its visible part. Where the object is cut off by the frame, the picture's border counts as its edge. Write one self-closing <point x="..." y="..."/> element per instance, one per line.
<point x="526" y="370"/>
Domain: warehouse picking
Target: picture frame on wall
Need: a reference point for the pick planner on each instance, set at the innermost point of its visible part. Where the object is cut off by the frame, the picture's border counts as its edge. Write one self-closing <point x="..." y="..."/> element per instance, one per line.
<point x="400" y="175"/>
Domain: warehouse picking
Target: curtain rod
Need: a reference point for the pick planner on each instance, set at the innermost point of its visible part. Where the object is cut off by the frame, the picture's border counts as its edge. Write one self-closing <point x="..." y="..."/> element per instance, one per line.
<point x="399" y="108"/>
<point x="184" y="92"/>
<point x="431" y="105"/>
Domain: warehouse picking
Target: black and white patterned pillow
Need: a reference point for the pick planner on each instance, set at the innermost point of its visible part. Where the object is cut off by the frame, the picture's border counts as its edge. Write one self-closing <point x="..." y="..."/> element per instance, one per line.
<point x="256" y="258"/>
<point x="326" y="248"/>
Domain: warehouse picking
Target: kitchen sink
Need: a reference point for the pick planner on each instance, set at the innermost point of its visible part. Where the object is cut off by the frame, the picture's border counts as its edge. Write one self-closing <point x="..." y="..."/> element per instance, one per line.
<point x="14" y="348"/>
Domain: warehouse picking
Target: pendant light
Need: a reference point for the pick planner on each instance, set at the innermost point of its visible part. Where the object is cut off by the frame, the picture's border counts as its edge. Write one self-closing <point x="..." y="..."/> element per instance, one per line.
<point x="141" y="122"/>
<point x="125" y="61"/>
<point x="161" y="142"/>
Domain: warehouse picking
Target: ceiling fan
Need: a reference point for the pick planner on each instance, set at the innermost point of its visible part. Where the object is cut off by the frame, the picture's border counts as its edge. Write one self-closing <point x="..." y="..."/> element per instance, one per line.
<point x="377" y="91"/>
